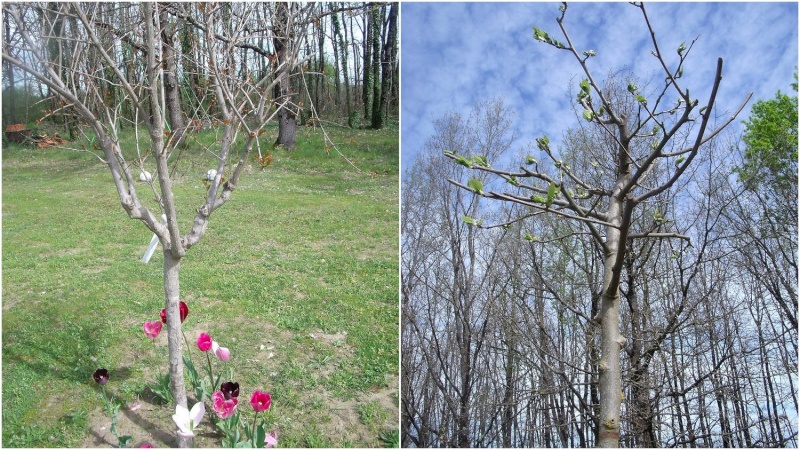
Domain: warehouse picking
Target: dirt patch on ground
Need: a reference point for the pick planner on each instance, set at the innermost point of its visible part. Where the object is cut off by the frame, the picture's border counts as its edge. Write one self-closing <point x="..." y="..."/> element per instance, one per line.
<point x="146" y="422"/>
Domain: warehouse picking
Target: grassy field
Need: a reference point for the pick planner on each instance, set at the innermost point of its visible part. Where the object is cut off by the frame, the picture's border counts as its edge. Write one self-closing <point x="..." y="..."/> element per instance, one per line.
<point x="296" y="275"/>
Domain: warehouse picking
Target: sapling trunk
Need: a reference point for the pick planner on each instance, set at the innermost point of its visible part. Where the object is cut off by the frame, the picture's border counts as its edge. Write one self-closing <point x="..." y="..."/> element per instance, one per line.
<point x="172" y="267"/>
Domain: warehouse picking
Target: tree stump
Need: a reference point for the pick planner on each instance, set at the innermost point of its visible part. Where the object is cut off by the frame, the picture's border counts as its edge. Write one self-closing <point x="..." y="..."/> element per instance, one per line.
<point x="17" y="133"/>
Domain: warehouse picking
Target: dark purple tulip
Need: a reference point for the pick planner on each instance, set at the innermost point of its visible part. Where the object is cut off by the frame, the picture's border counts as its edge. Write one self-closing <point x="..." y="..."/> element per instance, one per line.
<point x="101" y="376"/>
<point x="229" y="390"/>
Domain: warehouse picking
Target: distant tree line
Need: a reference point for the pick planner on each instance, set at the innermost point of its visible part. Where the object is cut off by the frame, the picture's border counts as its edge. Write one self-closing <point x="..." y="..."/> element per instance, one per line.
<point x="348" y="68"/>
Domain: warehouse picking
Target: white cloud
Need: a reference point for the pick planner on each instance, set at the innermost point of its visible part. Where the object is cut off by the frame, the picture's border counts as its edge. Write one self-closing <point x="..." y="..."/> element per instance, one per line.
<point x="456" y="54"/>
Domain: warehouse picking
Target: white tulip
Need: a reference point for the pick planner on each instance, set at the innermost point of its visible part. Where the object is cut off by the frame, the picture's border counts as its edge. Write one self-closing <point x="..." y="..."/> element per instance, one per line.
<point x="187" y="420"/>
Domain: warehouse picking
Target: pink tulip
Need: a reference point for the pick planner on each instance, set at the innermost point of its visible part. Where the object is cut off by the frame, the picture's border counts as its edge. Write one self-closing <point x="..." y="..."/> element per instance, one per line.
<point x="271" y="439"/>
<point x="204" y="342"/>
<point x="222" y="352"/>
<point x="151" y="329"/>
<point x="224" y="408"/>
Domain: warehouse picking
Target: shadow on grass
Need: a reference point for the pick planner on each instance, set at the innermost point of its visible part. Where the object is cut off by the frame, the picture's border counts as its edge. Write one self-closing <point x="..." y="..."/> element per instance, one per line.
<point x="46" y="359"/>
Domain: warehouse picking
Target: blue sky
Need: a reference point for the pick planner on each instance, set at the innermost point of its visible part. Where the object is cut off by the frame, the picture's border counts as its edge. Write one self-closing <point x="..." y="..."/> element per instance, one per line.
<point x="457" y="54"/>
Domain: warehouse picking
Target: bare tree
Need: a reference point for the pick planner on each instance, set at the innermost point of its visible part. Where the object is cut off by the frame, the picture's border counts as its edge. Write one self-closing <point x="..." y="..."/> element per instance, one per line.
<point x="641" y="130"/>
<point x="81" y="81"/>
<point x="447" y="290"/>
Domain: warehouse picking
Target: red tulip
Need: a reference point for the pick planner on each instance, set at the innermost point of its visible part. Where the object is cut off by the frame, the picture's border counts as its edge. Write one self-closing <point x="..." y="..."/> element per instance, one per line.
<point x="184" y="311"/>
<point x="260" y="401"/>
<point x="204" y="342"/>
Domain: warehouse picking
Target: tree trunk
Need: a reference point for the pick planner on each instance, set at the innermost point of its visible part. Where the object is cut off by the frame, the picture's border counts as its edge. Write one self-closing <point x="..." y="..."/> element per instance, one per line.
<point x="366" y="87"/>
<point x="319" y="81"/>
<point x="172" y="268"/>
<point x="389" y="51"/>
<point x="611" y="341"/>
<point x="12" y="90"/>
<point x="642" y="432"/>
<point x="376" y="22"/>
<point x="172" y="94"/>
<point x="287" y="120"/>
<point x="337" y="32"/>
<point x="173" y="252"/>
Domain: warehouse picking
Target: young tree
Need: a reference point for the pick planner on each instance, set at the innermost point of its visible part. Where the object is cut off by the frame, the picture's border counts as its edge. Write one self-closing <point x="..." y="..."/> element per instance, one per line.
<point x="79" y="82"/>
<point x="640" y="132"/>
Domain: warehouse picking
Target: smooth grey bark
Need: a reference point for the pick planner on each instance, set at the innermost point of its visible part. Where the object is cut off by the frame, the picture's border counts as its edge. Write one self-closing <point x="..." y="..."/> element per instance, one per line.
<point x="173" y="251"/>
<point x="172" y="269"/>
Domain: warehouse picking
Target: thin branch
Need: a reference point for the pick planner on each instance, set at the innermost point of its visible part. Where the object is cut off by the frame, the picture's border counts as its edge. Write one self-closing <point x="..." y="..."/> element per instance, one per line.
<point x="660" y="235"/>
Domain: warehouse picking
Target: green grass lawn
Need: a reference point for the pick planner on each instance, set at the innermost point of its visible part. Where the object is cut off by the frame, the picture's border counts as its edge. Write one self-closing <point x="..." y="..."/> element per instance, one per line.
<point x="296" y="275"/>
